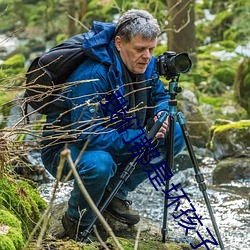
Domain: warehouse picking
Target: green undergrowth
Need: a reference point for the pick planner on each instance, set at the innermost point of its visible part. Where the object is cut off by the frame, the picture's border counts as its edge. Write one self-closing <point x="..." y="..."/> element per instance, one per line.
<point x="10" y="231"/>
<point x="20" y="210"/>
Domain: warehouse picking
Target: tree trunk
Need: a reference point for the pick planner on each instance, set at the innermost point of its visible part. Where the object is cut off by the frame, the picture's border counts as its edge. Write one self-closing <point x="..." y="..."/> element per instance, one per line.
<point x="71" y="6"/>
<point x="83" y="7"/>
<point x="181" y="27"/>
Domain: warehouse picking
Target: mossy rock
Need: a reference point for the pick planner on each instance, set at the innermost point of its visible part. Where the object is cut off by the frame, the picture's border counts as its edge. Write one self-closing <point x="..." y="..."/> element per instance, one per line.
<point x="128" y="244"/>
<point x="230" y="139"/>
<point x="11" y="237"/>
<point x="224" y="75"/>
<point x="22" y="200"/>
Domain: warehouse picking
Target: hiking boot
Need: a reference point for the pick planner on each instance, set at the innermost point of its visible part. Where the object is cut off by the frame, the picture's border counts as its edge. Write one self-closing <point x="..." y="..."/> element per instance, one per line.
<point x="121" y="211"/>
<point x="75" y="231"/>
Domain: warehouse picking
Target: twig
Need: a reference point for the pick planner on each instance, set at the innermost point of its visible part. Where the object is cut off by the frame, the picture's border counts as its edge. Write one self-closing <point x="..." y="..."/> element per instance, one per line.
<point x="66" y="154"/>
<point x="99" y="238"/>
<point x="77" y="21"/>
<point x="45" y="217"/>
<point x="137" y="236"/>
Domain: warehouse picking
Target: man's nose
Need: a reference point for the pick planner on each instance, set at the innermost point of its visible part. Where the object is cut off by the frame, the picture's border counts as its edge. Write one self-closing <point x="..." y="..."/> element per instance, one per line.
<point x="146" y="54"/>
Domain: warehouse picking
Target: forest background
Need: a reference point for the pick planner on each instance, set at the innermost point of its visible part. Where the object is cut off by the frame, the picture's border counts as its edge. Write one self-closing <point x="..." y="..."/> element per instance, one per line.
<point x="214" y="33"/>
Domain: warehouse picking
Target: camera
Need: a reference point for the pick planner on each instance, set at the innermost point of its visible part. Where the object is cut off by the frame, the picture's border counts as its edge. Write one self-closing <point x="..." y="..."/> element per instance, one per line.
<point x="171" y="65"/>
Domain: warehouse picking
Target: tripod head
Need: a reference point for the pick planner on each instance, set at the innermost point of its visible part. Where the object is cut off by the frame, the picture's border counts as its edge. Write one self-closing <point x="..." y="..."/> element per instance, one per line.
<point x="174" y="89"/>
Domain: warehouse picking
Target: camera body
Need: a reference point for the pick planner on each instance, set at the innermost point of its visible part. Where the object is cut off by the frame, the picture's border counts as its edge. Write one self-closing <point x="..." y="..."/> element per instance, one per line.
<point x="171" y="65"/>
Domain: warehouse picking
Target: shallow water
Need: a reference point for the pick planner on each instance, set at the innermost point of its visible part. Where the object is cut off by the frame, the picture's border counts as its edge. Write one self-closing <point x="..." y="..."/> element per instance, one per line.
<point x="230" y="204"/>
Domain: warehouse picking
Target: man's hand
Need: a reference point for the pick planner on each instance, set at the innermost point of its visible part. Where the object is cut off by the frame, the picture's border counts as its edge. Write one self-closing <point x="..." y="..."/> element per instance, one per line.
<point x="164" y="128"/>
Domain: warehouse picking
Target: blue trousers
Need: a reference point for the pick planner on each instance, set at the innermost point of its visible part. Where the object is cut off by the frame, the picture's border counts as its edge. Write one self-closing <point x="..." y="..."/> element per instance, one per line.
<point x="99" y="171"/>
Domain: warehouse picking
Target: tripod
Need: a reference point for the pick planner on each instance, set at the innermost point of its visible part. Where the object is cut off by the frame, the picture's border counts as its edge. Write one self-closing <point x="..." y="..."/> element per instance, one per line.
<point x="126" y="173"/>
<point x="173" y="90"/>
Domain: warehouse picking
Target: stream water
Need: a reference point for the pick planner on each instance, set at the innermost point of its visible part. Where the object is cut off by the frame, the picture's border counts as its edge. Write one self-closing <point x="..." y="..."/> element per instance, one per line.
<point x="230" y="204"/>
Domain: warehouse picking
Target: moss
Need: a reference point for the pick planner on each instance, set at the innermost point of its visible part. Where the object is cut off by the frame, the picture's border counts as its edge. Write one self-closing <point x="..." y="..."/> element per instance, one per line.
<point x="214" y="101"/>
<point x="21" y="199"/>
<point x="225" y="75"/>
<point x="234" y="125"/>
<point x="128" y="244"/>
<point x="220" y="131"/>
<point x="6" y="243"/>
<point x="6" y="96"/>
<point x="219" y="103"/>
<point x="65" y="245"/>
<point x="16" y="237"/>
<point x="13" y="239"/>
<point x="13" y="71"/>
<point x="9" y="219"/>
<point x="229" y="45"/>
<point x="60" y="38"/>
<point x="16" y="61"/>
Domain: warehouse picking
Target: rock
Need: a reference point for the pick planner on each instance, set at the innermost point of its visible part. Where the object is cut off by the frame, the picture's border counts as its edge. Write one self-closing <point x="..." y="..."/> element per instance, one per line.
<point x="197" y="125"/>
<point x="188" y="95"/>
<point x="149" y="237"/>
<point x="231" y="169"/>
<point x="232" y="139"/>
<point x="227" y="110"/>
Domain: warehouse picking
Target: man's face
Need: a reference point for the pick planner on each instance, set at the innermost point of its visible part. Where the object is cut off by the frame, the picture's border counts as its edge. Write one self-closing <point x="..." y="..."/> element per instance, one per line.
<point x="137" y="53"/>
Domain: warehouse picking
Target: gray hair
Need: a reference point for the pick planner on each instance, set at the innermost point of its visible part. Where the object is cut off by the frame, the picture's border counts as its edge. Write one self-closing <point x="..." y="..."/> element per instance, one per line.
<point x="137" y="22"/>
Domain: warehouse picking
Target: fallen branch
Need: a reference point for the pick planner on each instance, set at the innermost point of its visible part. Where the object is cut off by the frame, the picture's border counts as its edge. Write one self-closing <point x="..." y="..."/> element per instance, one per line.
<point x="66" y="154"/>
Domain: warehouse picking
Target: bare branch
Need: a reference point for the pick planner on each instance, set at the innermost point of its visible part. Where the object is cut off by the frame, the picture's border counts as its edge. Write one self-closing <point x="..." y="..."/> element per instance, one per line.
<point x="66" y="154"/>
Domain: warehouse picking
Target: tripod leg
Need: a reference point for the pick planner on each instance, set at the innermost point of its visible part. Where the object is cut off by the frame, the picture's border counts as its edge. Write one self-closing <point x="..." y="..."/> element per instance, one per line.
<point x="127" y="172"/>
<point x="125" y="175"/>
<point x="170" y="163"/>
<point x="199" y="176"/>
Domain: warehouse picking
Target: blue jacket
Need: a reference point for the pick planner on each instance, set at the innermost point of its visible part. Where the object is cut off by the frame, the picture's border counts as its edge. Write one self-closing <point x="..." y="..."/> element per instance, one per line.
<point x="87" y="118"/>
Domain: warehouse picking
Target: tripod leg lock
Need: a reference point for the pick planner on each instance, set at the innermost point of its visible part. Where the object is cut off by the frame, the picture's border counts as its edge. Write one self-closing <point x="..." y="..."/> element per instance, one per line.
<point x="200" y="180"/>
<point x="127" y="172"/>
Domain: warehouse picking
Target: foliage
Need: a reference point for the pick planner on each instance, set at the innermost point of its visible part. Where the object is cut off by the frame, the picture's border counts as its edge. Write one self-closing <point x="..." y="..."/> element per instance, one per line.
<point x="13" y="238"/>
<point x="12" y="69"/>
<point x="22" y="200"/>
<point x="227" y="21"/>
<point x="53" y="20"/>
<point x="224" y="75"/>
<point x="242" y="84"/>
<point x="224" y="105"/>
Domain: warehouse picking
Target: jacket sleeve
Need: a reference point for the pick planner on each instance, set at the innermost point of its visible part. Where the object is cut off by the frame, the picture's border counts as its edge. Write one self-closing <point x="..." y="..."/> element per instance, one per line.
<point x="88" y="120"/>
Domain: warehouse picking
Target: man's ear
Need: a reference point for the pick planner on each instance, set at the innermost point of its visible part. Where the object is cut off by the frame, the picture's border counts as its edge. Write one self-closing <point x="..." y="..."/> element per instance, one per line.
<point x="118" y="42"/>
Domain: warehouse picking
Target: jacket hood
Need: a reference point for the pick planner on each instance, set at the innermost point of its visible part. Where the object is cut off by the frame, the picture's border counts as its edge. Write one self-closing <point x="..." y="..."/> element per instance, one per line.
<point x="98" y="43"/>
